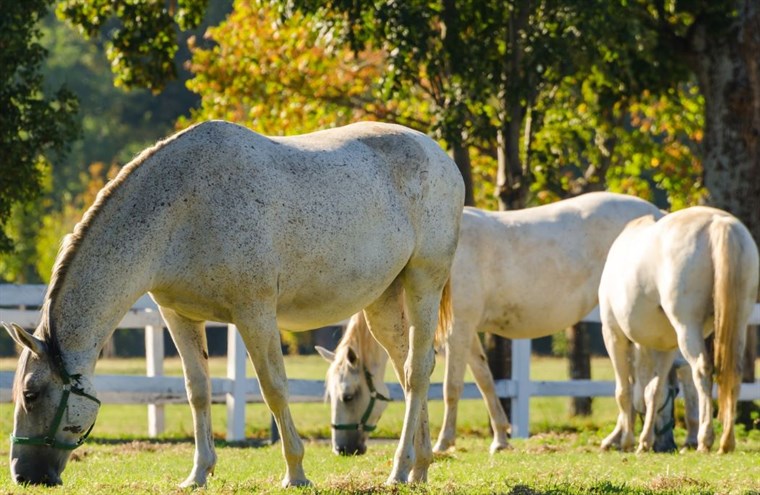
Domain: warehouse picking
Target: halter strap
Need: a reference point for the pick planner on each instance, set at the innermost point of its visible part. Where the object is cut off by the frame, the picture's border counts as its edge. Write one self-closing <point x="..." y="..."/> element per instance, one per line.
<point x="672" y="392"/>
<point x="68" y="389"/>
<point x="374" y="396"/>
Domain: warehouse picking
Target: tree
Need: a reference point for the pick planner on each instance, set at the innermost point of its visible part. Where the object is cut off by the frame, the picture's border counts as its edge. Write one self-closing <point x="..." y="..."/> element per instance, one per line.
<point x="719" y="43"/>
<point x="32" y="124"/>
<point x="141" y="35"/>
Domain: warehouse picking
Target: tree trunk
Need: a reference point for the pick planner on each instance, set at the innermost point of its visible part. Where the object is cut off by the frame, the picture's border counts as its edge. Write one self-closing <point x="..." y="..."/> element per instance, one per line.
<point x="579" y="361"/>
<point x="461" y="155"/>
<point x="512" y="178"/>
<point x="728" y="69"/>
<point x="512" y="195"/>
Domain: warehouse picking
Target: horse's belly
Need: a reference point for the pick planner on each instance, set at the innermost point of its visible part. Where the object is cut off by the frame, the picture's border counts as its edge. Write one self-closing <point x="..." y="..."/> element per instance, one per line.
<point x="195" y="306"/>
<point x="649" y="327"/>
<point x="322" y="308"/>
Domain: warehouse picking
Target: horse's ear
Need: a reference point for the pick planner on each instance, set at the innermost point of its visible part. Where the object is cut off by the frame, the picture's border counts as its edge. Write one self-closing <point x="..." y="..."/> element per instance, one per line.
<point x="352" y="357"/>
<point x="25" y="339"/>
<point x="328" y="356"/>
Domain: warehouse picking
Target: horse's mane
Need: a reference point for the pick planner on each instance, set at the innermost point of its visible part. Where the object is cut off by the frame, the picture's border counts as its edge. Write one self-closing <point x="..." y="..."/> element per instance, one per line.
<point x="357" y="337"/>
<point x="71" y="242"/>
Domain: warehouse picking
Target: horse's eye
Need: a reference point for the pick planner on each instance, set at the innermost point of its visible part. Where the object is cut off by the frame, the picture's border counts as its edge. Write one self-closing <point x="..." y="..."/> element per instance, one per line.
<point x="30" y="396"/>
<point x="347" y="397"/>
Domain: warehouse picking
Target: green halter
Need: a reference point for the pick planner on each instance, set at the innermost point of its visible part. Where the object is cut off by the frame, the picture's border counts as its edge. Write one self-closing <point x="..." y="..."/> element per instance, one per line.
<point x="68" y="389"/>
<point x="362" y="425"/>
<point x="672" y="392"/>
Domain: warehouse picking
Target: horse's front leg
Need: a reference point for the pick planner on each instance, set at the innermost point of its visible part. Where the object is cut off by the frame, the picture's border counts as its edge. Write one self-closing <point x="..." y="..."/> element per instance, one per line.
<point x="262" y="339"/>
<point x="190" y="338"/>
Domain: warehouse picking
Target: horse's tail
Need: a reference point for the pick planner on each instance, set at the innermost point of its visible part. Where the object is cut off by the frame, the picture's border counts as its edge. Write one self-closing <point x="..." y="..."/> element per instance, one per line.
<point x="445" y="315"/>
<point x="727" y="292"/>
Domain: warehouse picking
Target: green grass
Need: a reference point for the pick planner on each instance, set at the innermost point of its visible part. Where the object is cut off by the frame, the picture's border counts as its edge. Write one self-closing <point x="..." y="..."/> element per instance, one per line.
<point x="543" y="464"/>
<point x="562" y="456"/>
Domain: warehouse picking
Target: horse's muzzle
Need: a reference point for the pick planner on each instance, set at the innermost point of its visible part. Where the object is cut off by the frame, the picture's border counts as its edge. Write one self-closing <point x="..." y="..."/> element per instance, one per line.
<point x="356" y="449"/>
<point x="33" y="475"/>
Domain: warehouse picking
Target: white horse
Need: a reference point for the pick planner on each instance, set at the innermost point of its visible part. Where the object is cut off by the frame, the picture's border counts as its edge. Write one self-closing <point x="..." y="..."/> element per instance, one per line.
<point x="667" y="284"/>
<point x="518" y="274"/>
<point x="219" y="223"/>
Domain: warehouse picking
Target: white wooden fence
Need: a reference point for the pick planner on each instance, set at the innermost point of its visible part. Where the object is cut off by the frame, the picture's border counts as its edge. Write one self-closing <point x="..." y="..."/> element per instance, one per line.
<point x="20" y="304"/>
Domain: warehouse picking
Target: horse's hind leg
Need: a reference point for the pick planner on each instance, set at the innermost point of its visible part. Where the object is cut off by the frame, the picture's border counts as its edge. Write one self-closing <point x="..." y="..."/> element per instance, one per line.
<point x="691" y="402"/>
<point x="413" y="368"/>
<point x="262" y="339"/>
<point x="484" y="380"/>
<point x="692" y="346"/>
<point x="190" y="338"/>
<point x="618" y="347"/>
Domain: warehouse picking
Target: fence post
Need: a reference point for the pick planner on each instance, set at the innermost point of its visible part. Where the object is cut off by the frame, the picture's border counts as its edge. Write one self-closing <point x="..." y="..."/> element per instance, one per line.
<point x="236" y="360"/>
<point x="521" y="376"/>
<point x="154" y="363"/>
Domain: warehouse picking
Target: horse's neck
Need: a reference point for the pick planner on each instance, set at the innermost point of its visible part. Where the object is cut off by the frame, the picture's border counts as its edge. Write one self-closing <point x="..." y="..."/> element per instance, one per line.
<point x="374" y="356"/>
<point x="109" y="271"/>
<point x="377" y="359"/>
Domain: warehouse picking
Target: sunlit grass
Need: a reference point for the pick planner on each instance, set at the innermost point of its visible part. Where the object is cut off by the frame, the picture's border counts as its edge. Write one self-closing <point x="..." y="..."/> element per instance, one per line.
<point x="544" y="464"/>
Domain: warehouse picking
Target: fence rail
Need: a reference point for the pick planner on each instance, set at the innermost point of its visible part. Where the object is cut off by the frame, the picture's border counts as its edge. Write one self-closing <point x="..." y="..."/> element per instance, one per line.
<point x="20" y="303"/>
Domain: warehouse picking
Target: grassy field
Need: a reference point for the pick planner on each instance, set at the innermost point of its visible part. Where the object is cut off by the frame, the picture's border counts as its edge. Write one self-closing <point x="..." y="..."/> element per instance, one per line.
<point x="562" y="456"/>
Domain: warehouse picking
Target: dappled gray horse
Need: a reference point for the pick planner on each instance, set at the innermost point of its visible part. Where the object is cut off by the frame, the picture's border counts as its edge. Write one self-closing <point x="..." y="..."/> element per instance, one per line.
<point x="219" y="223"/>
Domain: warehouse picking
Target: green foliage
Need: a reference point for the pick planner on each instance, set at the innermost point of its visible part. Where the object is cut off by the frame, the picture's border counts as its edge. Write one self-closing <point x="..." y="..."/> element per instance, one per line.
<point x="647" y="145"/>
<point x="142" y="40"/>
<point x="32" y="123"/>
<point x="282" y="77"/>
<point x="494" y="72"/>
<point x="116" y="125"/>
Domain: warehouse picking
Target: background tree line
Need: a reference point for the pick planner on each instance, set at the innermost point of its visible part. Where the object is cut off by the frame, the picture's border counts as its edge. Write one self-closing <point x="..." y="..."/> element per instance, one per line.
<point x="537" y="100"/>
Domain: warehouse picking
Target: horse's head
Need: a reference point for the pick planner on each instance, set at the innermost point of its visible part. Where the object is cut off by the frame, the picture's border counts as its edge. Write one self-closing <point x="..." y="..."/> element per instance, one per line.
<point x="664" y="419"/>
<point x="357" y="400"/>
<point x="54" y="412"/>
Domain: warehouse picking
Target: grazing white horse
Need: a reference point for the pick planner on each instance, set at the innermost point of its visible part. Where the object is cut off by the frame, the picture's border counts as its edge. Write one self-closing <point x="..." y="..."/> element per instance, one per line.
<point x="519" y="274"/>
<point x="666" y="285"/>
<point x="220" y="223"/>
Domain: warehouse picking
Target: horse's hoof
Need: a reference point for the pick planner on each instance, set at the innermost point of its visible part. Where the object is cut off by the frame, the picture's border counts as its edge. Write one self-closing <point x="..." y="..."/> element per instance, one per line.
<point x="395" y="480"/>
<point x="441" y="447"/>
<point x="296" y="483"/>
<point x="418" y="478"/>
<point x="496" y="448"/>
<point x="606" y="446"/>
<point x="192" y="484"/>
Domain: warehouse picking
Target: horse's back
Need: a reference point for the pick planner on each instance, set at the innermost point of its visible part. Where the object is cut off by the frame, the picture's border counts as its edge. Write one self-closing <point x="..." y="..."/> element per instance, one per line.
<point x="313" y="221"/>
<point x="545" y="261"/>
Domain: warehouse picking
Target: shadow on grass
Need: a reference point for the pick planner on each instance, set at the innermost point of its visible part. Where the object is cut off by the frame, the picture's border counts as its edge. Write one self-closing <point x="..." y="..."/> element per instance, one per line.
<point x="147" y="441"/>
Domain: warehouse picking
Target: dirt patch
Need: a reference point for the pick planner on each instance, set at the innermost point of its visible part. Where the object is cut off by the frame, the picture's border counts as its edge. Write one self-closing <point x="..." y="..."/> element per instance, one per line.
<point x="140" y="446"/>
<point x="676" y="483"/>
